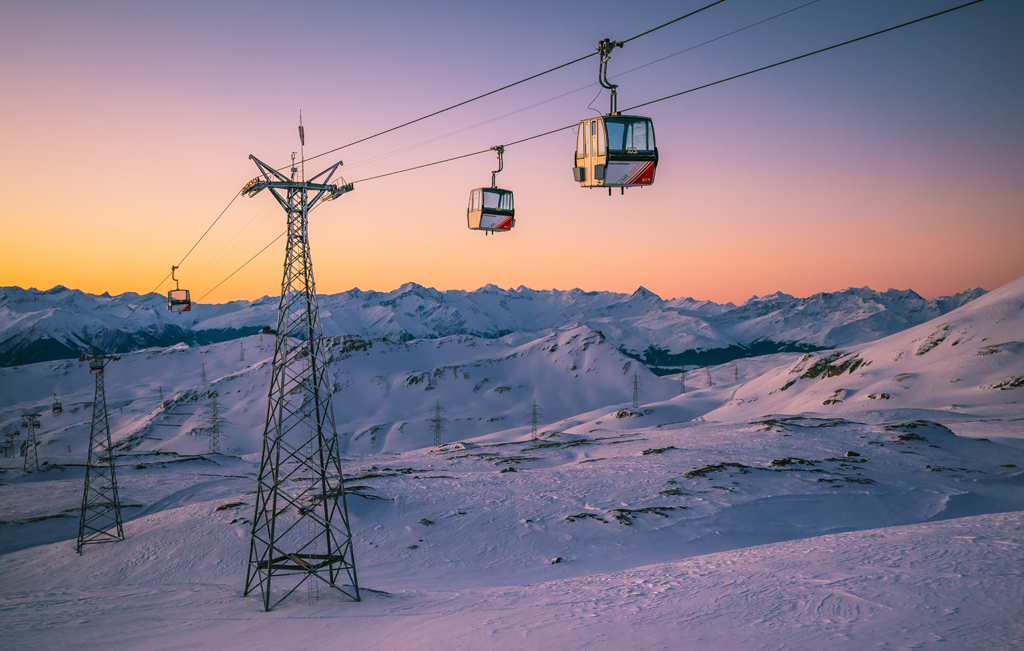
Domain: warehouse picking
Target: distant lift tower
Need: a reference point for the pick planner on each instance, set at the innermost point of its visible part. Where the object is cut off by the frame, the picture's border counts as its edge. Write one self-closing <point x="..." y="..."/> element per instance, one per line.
<point x="437" y="422"/>
<point x="300" y="529"/>
<point x="534" y="418"/>
<point x="30" y="423"/>
<point x="100" y="521"/>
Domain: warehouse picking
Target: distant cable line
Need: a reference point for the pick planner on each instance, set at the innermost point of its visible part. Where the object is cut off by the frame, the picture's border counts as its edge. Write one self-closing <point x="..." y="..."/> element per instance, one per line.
<point x="547" y="133"/>
<point x="674" y="20"/>
<point x="804" y="56"/>
<point x="237" y="194"/>
<point x="239" y="268"/>
<point x="507" y="86"/>
<point x="429" y="141"/>
<point x="694" y="89"/>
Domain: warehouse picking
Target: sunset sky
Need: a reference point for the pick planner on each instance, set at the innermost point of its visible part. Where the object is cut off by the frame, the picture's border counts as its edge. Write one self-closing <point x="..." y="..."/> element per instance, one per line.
<point x="125" y="129"/>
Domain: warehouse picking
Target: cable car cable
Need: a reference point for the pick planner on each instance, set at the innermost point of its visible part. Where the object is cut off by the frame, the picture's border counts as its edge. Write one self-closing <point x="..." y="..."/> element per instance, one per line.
<point x="422" y="143"/>
<point x="717" y="2"/>
<point x="717" y="38"/>
<point x="570" y="126"/>
<point x="235" y="240"/>
<point x="237" y="194"/>
<point x="694" y="89"/>
<point x="409" y="169"/>
<point x="804" y="56"/>
<point x="675" y="20"/>
<point x="240" y="268"/>
<point x="453" y="106"/>
<point x="507" y="86"/>
<point x="111" y="333"/>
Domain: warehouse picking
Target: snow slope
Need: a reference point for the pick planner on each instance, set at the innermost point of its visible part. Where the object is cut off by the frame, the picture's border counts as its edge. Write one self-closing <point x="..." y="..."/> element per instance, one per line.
<point x="955" y="583"/>
<point x="969" y="359"/>
<point x="736" y="515"/>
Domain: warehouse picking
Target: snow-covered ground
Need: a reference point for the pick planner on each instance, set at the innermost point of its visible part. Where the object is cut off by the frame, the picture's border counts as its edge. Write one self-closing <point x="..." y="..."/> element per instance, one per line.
<point x="846" y="499"/>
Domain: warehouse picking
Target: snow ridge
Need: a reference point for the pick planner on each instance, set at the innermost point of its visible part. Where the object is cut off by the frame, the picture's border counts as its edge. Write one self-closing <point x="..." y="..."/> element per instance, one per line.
<point x="61" y="323"/>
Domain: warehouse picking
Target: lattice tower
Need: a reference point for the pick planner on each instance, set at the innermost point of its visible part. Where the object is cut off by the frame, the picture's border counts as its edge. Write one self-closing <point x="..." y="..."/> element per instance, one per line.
<point x="300" y="528"/>
<point x="100" y="520"/>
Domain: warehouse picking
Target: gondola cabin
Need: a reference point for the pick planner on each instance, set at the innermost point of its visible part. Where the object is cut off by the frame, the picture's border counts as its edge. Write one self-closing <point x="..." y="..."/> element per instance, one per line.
<point x="96" y="366"/>
<point x="57" y="408"/>
<point x="615" y="151"/>
<point x="491" y="210"/>
<point x="178" y="300"/>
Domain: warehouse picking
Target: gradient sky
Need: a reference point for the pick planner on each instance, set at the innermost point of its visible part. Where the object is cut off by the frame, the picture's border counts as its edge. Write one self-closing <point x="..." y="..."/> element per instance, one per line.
<point x="125" y="128"/>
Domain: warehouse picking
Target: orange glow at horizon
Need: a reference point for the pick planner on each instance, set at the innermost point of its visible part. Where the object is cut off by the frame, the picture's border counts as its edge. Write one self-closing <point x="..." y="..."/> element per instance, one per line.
<point x="886" y="166"/>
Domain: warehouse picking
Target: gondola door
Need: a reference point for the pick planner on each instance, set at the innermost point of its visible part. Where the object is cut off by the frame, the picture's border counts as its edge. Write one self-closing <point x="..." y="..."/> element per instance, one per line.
<point x="591" y="153"/>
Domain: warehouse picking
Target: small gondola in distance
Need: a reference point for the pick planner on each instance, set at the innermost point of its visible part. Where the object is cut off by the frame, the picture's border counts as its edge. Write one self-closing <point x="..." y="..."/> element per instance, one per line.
<point x="178" y="300"/>
<point x="492" y="209"/>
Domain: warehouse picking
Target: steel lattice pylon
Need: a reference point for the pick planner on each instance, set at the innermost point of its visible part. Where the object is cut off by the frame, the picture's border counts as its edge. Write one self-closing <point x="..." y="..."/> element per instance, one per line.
<point x="300" y="528"/>
<point x="31" y="424"/>
<point x="100" y="520"/>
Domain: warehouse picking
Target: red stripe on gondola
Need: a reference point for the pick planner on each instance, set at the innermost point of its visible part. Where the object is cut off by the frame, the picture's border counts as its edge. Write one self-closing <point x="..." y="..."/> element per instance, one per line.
<point x="643" y="176"/>
<point x="504" y="225"/>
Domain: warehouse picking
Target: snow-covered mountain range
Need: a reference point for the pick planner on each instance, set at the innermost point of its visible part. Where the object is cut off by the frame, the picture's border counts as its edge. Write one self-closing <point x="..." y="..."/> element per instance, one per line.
<point x="62" y="323"/>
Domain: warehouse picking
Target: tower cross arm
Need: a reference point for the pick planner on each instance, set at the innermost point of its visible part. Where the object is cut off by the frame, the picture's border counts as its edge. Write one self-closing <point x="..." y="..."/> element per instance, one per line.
<point x="271" y="178"/>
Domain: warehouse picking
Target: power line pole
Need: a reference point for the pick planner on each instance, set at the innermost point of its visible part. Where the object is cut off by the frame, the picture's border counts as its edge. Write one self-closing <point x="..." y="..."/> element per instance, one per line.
<point x="636" y="390"/>
<point x="534" y="419"/>
<point x="30" y="424"/>
<point x="100" y="520"/>
<point x="437" y="422"/>
<point x="300" y="528"/>
<point x="10" y="433"/>
<point x="214" y="426"/>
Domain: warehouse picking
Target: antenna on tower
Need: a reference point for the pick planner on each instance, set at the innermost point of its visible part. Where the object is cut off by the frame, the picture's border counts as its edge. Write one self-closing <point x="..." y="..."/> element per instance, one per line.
<point x="302" y="146"/>
<point x="300" y="527"/>
<point x="437" y="422"/>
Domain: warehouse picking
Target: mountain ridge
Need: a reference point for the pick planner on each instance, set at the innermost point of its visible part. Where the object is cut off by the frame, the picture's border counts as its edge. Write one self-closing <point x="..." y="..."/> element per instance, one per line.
<point x="61" y="323"/>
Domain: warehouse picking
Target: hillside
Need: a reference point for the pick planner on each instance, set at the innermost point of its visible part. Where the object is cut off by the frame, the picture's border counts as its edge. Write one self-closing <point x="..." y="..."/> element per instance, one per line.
<point x="773" y="480"/>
